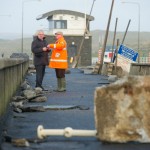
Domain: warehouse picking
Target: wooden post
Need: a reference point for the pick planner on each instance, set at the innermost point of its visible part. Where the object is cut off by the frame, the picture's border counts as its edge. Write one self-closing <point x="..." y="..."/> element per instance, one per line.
<point x="114" y="39"/>
<point x="106" y="36"/>
<point x="126" y="31"/>
<point x="116" y="56"/>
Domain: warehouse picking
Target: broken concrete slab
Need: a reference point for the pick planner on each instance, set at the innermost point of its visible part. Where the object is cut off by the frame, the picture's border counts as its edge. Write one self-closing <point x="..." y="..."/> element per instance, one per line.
<point x="65" y="107"/>
<point x="59" y="107"/>
<point x="18" y="98"/>
<point x="29" y="94"/>
<point x="32" y="109"/>
<point x="112" y="78"/>
<point x="122" y="110"/>
<point x="36" y="108"/>
<point x="88" y="71"/>
<point x="20" y="142"/>
<point x="39" y="99"/>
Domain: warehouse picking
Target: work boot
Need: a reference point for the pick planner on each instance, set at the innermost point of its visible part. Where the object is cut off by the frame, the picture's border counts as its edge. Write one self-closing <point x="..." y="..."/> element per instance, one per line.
<point x="58" y="84"/>
<point x="63" y="85"/>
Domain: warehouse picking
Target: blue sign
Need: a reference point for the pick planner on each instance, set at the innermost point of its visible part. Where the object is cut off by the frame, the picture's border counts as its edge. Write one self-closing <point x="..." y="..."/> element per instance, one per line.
<point x="127" y="52"/>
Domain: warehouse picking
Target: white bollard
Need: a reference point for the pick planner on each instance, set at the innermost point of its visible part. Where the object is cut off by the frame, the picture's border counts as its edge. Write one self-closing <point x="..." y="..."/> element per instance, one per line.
<point x="67" y="132"/>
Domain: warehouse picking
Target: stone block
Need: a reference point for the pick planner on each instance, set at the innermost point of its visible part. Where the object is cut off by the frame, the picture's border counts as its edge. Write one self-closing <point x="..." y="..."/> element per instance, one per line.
<point x="19" y="55"/>
<point x="122" y="110"/>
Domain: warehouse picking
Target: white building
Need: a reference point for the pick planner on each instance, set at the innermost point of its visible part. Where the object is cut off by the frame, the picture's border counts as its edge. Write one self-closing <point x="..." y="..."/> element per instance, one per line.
<point x="75" y="26"/>
<point x="70" y="22"/>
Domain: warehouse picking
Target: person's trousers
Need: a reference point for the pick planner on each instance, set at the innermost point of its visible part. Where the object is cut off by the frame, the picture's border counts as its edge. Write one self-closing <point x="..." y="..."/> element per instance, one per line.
<point x="60" y="73"/>
<point x="40" y="71"/>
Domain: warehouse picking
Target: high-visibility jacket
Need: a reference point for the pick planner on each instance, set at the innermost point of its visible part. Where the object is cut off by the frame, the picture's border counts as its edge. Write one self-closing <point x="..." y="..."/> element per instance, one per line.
<point x="59" y="54"/>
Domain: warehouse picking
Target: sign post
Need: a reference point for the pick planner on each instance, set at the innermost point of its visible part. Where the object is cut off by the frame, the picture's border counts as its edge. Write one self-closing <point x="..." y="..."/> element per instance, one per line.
<point x="126" y="56"/>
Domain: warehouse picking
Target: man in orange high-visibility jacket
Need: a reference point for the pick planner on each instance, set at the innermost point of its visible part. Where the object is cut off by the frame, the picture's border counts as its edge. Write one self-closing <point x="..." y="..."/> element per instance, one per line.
<point x="58" y="60"/>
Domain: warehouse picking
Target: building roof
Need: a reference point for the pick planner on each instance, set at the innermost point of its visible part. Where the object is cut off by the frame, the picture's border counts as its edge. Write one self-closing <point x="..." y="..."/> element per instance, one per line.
<point x="70" y="12"/>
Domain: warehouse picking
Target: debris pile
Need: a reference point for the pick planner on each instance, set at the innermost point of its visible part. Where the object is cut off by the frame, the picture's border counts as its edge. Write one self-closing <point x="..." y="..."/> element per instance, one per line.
<point x="28" y="94"/>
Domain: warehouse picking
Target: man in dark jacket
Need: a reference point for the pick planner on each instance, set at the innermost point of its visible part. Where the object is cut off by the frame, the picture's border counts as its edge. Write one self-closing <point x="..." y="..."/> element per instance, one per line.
<point x="40" y="51"/>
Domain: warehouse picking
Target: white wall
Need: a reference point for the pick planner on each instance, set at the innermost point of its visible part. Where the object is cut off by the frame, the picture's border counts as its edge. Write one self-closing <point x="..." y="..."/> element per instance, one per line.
<point x="75" y="25"/>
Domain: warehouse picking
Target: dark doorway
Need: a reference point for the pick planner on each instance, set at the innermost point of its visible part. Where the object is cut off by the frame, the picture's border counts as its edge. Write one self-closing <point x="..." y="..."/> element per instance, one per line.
<point x="72" y="52"/>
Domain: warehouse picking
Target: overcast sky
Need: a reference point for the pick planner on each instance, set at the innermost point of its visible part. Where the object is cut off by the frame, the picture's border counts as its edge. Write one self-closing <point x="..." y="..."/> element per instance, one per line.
<point x="101" y="9"/>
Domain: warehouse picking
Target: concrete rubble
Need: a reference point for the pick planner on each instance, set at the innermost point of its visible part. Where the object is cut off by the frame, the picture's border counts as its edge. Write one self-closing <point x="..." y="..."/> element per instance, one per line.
<point x="122" y="110"/>
<point x="28" y="94"/>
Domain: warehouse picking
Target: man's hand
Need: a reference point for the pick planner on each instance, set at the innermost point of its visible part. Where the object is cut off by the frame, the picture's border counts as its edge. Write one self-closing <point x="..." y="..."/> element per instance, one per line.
<point x="44" y="48"/>
<point x="48" y="48"/>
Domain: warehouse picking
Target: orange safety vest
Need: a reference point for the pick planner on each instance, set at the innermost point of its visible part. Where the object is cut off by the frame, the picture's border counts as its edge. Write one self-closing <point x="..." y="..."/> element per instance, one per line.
<point x="59" y="54"/>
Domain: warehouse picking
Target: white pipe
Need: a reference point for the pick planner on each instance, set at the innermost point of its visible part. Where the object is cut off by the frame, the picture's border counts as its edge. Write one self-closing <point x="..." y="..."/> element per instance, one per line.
<point x="67" y="132"/>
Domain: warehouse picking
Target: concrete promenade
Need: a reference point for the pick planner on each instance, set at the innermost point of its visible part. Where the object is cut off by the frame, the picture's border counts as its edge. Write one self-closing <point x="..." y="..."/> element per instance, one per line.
<point x="80" y="92"/>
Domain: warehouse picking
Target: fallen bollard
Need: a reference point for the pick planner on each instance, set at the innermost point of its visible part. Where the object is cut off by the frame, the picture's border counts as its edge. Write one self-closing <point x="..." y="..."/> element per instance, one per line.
<point x="67" y="132"/>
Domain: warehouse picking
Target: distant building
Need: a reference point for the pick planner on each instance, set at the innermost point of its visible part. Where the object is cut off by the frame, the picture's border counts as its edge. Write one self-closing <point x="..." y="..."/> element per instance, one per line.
<point x="107" y="55"/>
<point x="144" y="56"/>
<point x="73" y="25"/>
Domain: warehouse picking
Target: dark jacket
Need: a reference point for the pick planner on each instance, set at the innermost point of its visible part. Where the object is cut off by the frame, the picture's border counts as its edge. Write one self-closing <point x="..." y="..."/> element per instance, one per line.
<point x="40" y="57"/>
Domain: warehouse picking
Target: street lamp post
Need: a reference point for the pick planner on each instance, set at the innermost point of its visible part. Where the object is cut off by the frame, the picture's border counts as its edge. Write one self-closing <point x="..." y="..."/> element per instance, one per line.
<point x="23" y="21"/>
<point x="136" y="3"/>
